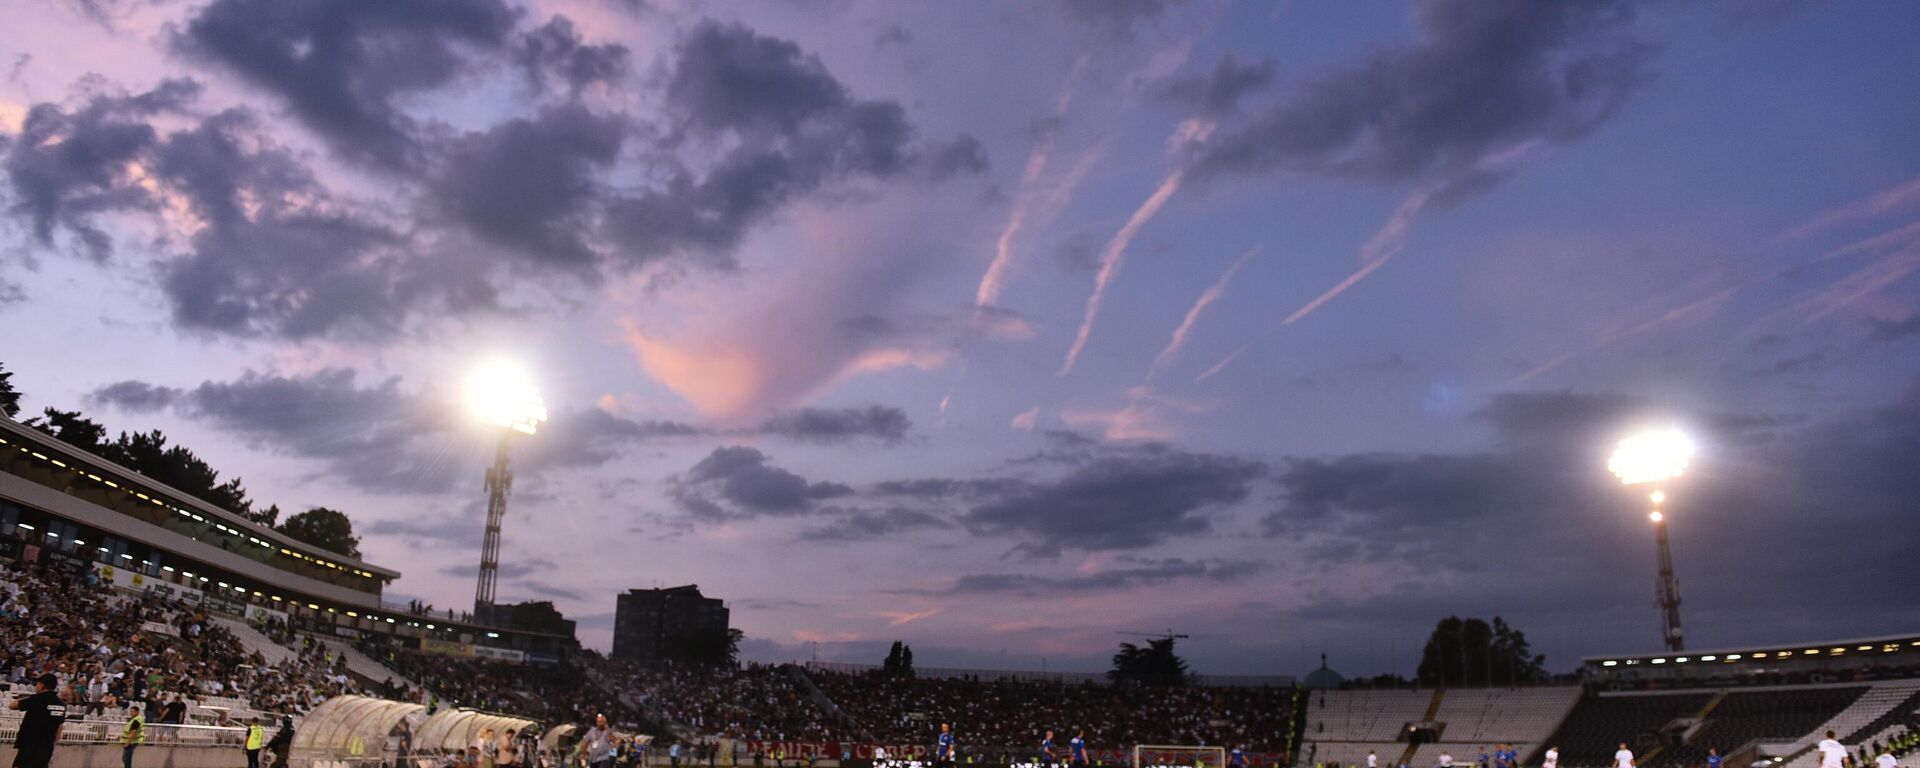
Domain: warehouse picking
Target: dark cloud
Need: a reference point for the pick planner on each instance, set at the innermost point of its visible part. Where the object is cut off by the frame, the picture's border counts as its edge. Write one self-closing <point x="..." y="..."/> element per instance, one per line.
<point x="1892" y="330"/>
<point x="516" y="569"/>
<point x="378" y="438"/>
<point x="555" y="52"/>
<point x="544" y="590"/>
<point x="893" y="34"/>
<point x="785" y="127"/>
<point x="757" y="604"/>
<point x="67" y="167"/>
<point x="865" y="525"/>
<point x="278" y="256"/>
<point x="344" y="67"/>
<point x="451" y="530"/>
<point x="963" y="156"/>
<point x="1481" y="77"/>
<point x="269" y="251"/>
<point x="591" y="437"/>
<point x="311" y="274"/>
<point x="224" y="165"/>
<point x="749" y="486"/>
<point x="1218" y="92"/>
<point x="528" y="185"/>
<point x="944" y="488"/>
<point x="1116" y="17"/>
<point x="1136" y="573"/>
<point x="134" y="396"/>
<point x="821" y="425"/>
<point x="1121" y="499"/>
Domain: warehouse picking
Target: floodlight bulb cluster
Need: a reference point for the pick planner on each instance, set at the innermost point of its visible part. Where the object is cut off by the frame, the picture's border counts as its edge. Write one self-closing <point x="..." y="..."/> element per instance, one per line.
<point x="1651" y="457"/>
<point x="502" y="394"/>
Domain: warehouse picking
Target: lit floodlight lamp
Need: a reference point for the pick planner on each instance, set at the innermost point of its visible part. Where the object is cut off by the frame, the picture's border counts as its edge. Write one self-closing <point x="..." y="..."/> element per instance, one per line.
<point x="502" y="394"/>
<point x="1651" y="457"/>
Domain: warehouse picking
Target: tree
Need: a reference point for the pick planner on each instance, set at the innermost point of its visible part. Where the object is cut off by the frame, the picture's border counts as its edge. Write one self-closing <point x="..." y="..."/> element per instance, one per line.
<point x="712" y="647"/>
<point x="1156" y="664"/>
<point x="899" y="661"/>
<point x="269" y="517"/>
<point x="324" y="528"/>
<point x="9" y="397"/>
<point x="1472" y="652"/>
<point x="73" y="429"/>
<point x="149" y="454"/>
<point x="891" y="664"/>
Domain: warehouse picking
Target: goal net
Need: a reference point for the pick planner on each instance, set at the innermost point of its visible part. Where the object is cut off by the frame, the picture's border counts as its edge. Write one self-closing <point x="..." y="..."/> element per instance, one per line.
<point x="1176" y="756"/>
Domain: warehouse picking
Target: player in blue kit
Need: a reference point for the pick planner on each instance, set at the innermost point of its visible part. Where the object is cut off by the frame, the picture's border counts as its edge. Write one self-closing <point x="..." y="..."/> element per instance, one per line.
<point x="1077" y="748"/>
<point x="1713" y="758"/>
<point x="1046" y="749"/>
<point x="1236" y="758"/>
<point x="943" y="749"/>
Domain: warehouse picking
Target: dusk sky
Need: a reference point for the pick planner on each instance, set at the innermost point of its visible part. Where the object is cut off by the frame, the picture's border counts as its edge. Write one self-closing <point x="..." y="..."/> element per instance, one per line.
<point x="1003" y="327"/>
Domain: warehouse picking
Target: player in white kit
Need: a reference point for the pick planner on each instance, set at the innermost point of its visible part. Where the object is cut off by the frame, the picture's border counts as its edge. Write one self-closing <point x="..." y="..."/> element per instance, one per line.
<point x="1373" y="760"/>
<point x="1553" y="757"/>
<point x="1832" y="754"/>
<point x="1446" y="760"/>
<point x="1623" y="758"/>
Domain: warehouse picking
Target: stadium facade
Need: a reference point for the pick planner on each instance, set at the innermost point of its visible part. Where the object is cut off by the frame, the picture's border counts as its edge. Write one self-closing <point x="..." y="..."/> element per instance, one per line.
<point x="60" y="503"/>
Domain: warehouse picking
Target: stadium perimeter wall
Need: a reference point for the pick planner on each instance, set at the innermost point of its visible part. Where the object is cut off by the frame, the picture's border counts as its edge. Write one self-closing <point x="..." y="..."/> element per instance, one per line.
<point x="149" y="756"/>
<point x="828" y="753"/>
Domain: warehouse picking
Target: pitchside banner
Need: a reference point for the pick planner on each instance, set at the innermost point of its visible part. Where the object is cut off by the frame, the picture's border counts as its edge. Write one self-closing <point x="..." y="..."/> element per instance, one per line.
<point x="831" y="750"/>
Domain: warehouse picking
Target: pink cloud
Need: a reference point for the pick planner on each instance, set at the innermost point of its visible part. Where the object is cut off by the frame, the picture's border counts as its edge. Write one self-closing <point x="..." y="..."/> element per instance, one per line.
<point x="897" y="618"/>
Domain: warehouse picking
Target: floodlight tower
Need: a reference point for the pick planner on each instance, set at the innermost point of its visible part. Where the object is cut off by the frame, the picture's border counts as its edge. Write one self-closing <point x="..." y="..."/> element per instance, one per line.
<point x="503" y="397"/>
<point x="1652" y="459"/>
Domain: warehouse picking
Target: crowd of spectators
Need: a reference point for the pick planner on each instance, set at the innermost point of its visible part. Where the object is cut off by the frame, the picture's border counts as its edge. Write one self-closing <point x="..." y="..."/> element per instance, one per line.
<point x="753" y="702"/>
<point x="560" y="693"/>
<point x="1015" y="713"/>
<point x="110" y="651"/>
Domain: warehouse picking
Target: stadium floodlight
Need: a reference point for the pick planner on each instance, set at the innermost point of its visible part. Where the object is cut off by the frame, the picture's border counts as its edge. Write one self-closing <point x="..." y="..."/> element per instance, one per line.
<point x="1655" y="457"/>
<point x="1651" y="457"/>
<point x="501" y="394"/>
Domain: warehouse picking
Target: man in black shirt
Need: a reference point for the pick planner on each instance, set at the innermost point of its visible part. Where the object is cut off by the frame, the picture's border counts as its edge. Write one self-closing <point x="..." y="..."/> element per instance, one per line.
<point x="40" y="727"/>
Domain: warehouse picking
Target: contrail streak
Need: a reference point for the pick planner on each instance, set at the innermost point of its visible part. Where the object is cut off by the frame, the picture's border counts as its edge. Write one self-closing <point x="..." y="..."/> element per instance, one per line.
<point x="995" y="278"/>
<point x="1200" y="305"/>
<point x="1374" y="254"/>
<point x="1111" y="258"/>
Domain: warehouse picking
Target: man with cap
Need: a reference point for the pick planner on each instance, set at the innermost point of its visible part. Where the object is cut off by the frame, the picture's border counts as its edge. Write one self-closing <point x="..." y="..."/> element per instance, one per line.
<point x="40" y="726"/>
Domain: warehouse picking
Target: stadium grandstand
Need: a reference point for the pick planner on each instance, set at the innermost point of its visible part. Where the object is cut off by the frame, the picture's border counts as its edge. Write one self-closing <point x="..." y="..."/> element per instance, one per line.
<point x="69" y="507"/>
<point x="131" y="592"/>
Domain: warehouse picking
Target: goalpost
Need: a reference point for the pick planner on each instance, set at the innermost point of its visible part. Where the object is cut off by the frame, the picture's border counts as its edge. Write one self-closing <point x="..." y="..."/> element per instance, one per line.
<point x="1178" y="756"/>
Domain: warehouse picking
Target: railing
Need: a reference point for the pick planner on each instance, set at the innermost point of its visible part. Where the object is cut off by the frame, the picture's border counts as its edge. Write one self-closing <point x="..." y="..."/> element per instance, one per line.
<point x="157" y="734"/>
